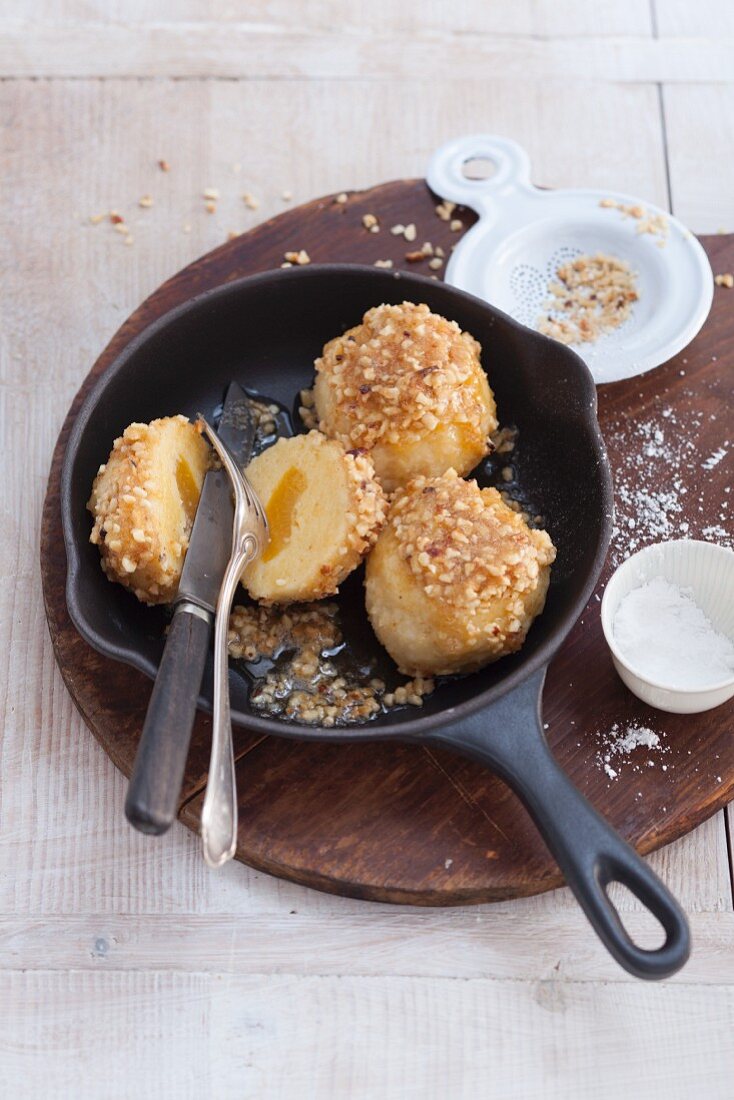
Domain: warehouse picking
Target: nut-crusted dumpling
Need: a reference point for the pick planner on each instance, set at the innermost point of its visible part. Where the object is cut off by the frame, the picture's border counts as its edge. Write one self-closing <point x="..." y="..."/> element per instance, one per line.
<point x="455" y="578"/>
<point x="144" y="500"/>
<point x="325" y="509"/>
<point x="408" y="386"/>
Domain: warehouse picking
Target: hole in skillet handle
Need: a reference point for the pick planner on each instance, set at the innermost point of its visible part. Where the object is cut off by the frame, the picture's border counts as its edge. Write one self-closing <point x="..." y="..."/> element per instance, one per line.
<point x="508" y="737"/>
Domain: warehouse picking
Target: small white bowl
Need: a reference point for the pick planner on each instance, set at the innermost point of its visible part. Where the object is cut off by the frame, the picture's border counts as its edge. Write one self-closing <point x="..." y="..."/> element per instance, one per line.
<point x="707" y="570"/>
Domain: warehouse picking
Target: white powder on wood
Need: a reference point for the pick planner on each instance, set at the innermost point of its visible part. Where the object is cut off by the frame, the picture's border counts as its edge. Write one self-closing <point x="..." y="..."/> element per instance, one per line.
<point x="665" y="636"/>
<point x="664" y="488"/>
<point x="715" y="458"/>
<point x="621" y="741"/>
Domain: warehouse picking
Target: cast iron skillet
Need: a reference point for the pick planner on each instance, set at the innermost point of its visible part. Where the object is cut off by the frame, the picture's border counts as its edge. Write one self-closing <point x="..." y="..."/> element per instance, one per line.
<point x="265" y="331"/>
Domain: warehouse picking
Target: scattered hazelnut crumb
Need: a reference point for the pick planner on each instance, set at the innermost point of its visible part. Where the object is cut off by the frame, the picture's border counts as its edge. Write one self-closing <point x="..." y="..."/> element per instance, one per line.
<point x="410" y="232"/>
<point x="369" y="221"/>
<point x="95" y="219"/>
<point x="164" y="166"/>
<point x="456" y="225"/>
<point x="435" y="263"/>
<point x="415" y="257"/>
<point x="211" y="207"/>
<point x="654" y="224"/>
<point x="211" y="193"/>
<point x="287" y="263"/>
<point x="120" y="227"/>
<point x="427" y="248"/>
<point x="397" y="230"/>
<point x="129" y="239"/>
<point x="286" y="196"/>
<point x="116" y="218"/>
<point x="439" y="251"/>
<point x="341" y="198"/>
<point x="146" y="201"/>
<point x="383" y="263"/>
<point x="445" y="209"/>
<point x="232" y="234"/>
<point x="250" y="201"/>
<point x="727" y="280"/>
<point x="301" y="257"/>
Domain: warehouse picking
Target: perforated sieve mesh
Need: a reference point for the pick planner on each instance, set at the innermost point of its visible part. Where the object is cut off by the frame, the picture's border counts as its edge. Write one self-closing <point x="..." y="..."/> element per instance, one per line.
<point x="528" y="289"/>
<point x="528" y="283"/>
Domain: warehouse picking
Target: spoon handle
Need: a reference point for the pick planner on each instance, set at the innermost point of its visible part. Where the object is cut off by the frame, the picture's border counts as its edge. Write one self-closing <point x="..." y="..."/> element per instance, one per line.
<point x="219" y="813"/>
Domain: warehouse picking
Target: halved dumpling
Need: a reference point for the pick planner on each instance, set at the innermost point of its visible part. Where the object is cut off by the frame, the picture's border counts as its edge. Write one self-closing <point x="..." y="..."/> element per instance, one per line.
<point x="144" y="500"/>
<point x="325" y="510"/>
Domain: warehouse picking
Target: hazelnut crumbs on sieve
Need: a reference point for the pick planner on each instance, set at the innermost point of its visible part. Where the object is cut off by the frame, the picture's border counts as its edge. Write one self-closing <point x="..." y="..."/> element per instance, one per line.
<point x="590" y="297"/>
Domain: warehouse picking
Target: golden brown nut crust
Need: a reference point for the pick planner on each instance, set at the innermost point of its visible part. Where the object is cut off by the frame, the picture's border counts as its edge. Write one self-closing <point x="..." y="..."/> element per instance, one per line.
<point x="456" y="577"/>
<point x="407" y="385"/>
<point x="325" y="509"/>
<point x="144" y="500"/>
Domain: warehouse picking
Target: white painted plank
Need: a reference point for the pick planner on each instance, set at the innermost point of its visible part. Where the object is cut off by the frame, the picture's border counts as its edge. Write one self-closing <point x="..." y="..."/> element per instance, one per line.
<point x="372" y="941"/>
<point x="710" y="18"/>
<point x="548" y="18"/>
<point x="700" y="129"/>
<point x="117" y="1036"/>
<point x="123" y="1035"/>
<point x="248" y="50"/>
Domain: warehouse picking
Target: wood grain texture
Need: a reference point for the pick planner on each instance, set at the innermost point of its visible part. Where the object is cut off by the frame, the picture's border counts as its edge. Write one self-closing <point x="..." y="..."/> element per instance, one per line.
<point x="394" y="823"/>
<point x="238" y="1037"/>
<point x="572" y="18"/>
<point x="247" y="50"/>
<point x="704" y="19"/>
<point x="375" y="942"/>
<point x="700" y="128"/>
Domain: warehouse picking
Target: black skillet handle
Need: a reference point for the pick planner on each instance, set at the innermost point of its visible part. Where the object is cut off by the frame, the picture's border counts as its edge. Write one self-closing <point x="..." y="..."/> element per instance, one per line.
<point x="509" y="739"/>
<point x="155" y="784"/>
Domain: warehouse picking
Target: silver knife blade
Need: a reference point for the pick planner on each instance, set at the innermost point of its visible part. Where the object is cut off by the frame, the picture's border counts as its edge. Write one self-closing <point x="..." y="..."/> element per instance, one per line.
<point x="210" y="545"/>
<point x="237" y="424"/>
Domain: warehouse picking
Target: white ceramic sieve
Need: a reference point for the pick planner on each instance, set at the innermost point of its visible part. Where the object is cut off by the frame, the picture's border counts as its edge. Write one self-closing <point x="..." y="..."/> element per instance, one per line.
<point x="524" y="233"/>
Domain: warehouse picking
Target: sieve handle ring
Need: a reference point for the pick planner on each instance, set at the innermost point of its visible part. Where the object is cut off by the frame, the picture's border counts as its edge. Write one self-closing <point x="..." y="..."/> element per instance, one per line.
<point x="508" y="162"/>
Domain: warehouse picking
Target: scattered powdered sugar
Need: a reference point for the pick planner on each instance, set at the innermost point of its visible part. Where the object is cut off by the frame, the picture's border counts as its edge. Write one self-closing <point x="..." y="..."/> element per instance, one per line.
<point x="715" y="458"/>
<point x="715" y="531"/>
<point x="664" y="636"/>
<point x="658" y="475"/>
<point x="620" y="742"/>
<point x="634" y="736"/>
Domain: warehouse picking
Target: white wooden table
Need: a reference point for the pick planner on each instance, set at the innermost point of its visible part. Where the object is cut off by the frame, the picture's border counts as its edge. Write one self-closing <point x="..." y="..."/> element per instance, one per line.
<point x="127" y="969"/>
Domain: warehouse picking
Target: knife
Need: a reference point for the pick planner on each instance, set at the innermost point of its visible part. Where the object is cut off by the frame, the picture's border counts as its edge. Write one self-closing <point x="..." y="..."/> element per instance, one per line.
<point x="157" y="776"/>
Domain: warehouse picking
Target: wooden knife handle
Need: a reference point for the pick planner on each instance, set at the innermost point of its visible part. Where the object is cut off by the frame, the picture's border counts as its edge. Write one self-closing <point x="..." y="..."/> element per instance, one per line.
<point x="155" y="784"/>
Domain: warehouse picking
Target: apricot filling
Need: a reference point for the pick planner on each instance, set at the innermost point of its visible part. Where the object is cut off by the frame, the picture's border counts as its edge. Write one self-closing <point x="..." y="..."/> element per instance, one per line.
<point x="188" y="488"/>
<point x="280" y="508"/>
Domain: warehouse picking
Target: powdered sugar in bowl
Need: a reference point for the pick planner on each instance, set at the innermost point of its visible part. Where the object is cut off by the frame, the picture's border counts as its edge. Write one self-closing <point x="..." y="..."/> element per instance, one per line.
<point x="668" y="619"/>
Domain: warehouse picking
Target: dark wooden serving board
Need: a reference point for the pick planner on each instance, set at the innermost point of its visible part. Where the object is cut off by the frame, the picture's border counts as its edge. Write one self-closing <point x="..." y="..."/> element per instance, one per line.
<point x="402" y="823"/>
